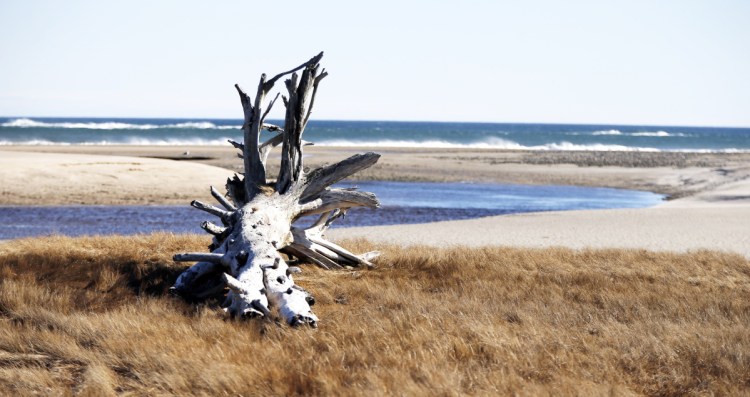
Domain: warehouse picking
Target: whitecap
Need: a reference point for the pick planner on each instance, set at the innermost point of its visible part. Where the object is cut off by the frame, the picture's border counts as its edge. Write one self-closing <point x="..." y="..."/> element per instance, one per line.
<point x="200" y="125"/>
<point x="111" y="125"/>
<point x="490" y="143"/>
<point x="33" y="142"/>
<point x="655" y="134"/>
<point x="176" y="142"/>
<point x="596" y="147"/>
<point x="607" y="132"/>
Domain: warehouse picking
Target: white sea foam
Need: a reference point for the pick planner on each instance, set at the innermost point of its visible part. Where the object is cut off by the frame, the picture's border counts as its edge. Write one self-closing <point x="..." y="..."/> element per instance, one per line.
<point x="177" y="142"/>
<point x="597" y="147"/>
<point x="135" y="141"/>
<point x="33" y="142"/>
<point x="607" y="132"/>
<point x="729" y="150"/>
<point x="28" y="123"/>
<point x="491" y="143"/>
<point x="201" y="125"/>
<point x="657" y="134"/>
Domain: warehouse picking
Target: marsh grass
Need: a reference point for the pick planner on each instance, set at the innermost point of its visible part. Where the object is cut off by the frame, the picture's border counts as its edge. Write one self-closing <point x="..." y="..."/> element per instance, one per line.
<point x="91" y="316"/>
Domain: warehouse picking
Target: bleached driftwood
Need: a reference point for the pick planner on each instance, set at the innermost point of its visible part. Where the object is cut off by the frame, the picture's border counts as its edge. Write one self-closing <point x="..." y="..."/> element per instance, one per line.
<point x="257" y="214"/>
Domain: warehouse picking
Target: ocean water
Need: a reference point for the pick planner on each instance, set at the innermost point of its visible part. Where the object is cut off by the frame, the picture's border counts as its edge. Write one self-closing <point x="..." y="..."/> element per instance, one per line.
<point x="402" y="202"/>
<point x="114" y="131"/>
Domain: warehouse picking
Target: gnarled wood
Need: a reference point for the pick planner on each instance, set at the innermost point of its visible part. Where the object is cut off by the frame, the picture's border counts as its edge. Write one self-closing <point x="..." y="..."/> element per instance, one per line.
<point x="257" y="214"/>
<point x="323" y="177"/>
<point x="331" y="199"/>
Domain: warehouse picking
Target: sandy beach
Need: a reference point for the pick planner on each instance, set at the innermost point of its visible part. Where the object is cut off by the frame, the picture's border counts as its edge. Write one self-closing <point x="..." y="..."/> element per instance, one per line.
<point x="708" y="208"/>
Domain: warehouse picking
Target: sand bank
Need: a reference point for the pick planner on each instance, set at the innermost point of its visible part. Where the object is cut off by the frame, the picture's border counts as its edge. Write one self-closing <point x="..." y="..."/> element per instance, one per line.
<point x="713" y="210"/>
<point x="714" y="217"/>
<point x="30" y="178"/>
<point x="676" y="174"/>
<point x="662" y="228"/>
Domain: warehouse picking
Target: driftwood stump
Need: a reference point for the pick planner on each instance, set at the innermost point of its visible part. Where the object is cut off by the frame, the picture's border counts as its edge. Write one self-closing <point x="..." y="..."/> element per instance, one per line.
<point x="257" y="214"/>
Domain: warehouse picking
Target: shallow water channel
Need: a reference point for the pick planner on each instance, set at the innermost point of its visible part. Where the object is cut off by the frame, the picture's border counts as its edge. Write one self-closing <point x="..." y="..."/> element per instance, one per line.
<point x="402" y="202"/>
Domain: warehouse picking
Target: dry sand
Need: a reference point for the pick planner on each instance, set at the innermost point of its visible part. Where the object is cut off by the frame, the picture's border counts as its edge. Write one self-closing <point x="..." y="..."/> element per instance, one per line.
<point x="663" y="228"/>
<point x="712" y="209"/>
<point x="29" y="178"/>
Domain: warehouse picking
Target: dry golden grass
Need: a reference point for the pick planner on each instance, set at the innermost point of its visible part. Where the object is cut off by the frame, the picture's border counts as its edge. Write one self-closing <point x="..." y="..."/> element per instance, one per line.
<point x="91" y="316"/>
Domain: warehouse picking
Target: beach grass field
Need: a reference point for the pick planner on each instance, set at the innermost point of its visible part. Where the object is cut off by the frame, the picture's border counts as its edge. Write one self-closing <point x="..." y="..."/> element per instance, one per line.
<point x="620" y="302"/>
<point x="92" y="316"/>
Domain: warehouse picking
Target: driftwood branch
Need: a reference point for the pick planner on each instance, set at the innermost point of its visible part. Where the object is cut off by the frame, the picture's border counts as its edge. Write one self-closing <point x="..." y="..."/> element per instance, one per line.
<point x="332" y="199"/>
<point x="245" y="261"/>
<point x="266" y="147"/>
<point x="237" y="145"/>
<point x="323" y="177"/>
<point x="314" y="60"/>
<point x="270" y="106"/>
<point x="222" y="200"/>
<point x="301" y="90"/>
<point x="316" y="81"/>
<point x="224" y="215"/>
<point x="255" y="172"/>
<point x="212" y="228"/>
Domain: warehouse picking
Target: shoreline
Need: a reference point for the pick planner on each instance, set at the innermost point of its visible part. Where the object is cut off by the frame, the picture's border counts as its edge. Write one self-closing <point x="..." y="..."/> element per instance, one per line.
<point x="675" y="174"/>
<point x="710" y="192"/>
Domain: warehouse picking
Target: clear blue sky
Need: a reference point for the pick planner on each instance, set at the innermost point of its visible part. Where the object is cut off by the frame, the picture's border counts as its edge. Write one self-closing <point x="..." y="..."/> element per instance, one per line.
<point x="629" y="62"/>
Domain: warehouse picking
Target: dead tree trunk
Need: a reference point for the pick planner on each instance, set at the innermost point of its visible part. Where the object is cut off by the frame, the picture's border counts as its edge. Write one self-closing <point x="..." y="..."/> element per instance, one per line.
<point x="256" y="218"/>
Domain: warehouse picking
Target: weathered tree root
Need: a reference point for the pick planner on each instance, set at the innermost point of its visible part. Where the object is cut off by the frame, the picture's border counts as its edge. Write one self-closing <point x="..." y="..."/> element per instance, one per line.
<point x="257" y="214"/>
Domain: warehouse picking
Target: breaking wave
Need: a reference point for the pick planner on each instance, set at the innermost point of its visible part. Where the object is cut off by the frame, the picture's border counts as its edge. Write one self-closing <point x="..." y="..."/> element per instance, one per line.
<point x="659" y="134"/>
<point x="110" y="125"/>
<point x="135" y="141"/>
<point x="492" y="143"/>
<point x="534" y="137"/>
<point x="33" y="142"/>
<point x="607" y="132"/>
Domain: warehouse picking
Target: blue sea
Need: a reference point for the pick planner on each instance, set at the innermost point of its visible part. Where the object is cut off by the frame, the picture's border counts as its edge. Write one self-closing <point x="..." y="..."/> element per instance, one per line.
<point x="117" y="131"/>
